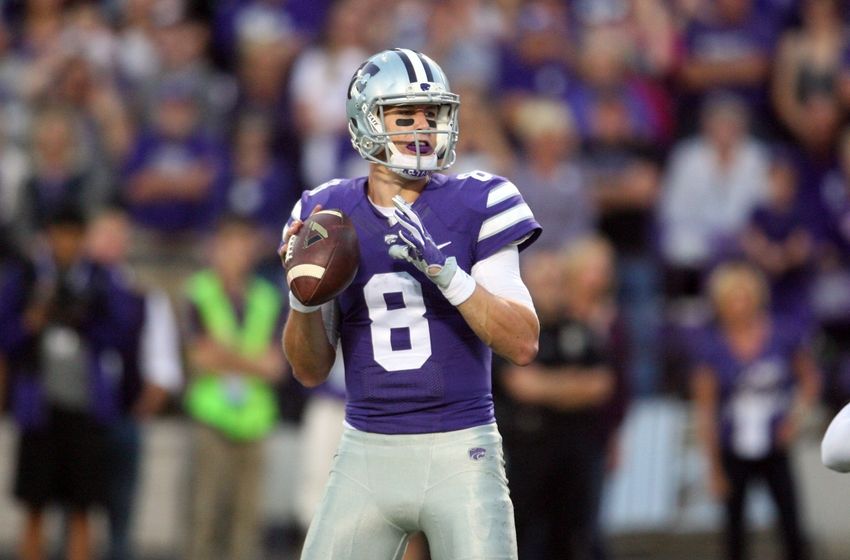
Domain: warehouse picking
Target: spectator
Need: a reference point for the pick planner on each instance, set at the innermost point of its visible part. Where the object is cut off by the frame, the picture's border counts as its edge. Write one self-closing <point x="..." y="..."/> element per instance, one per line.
<point x="66" y="76"/>
<point x="777" y="241"/>
<point x="561" y="412"/>
<point x="14" y="170"/>
<point x="754" y="381"/>
<point x="835" y="197"/>
<point x="816" y="155"/>
<point x="14" y="112"/>
<point x="61" y="317"/>
<point x="538" y="61"/>
<point x="727" y="51"/>
<point x="38" y="26"/>
<point x="7" y="256"/>
<point x="830" y="295"/>
<point x="321" y="76"/>
<point x="809" y="61"/>
<point x="550" y="174"/>
<point x="258" y="184"/>
<point x="603" y="72"/>
<point x="169" y="187"/>
<point x="181" y="39"/>
<point x="262" y="72"/>
<point x="713" y="182"/>
<point x="646" y="28"/>
<point x="147" y="365"/>
<point x="624" y="174"/>
<point x="136" y="56"/>
<point x="465" y="35"/>
<point x="236" y="23"/>
<point x="87" y="32"/>
<point x="235" y="323"/>
<point x="485" y="141"/>
<point x="60" y="174"/>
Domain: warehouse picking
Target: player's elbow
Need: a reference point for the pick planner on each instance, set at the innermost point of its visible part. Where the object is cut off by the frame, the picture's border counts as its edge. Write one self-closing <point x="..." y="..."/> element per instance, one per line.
<point x="310" y="377"/>
<point x="524" y="353"/>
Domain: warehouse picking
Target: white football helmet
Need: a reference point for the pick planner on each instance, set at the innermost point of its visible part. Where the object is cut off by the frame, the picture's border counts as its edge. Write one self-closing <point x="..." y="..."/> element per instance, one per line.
<point x="401" y="77"/>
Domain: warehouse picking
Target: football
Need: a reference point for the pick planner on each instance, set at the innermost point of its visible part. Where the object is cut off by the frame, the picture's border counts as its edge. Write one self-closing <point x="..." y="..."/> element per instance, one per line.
<point x="322" y="259"/>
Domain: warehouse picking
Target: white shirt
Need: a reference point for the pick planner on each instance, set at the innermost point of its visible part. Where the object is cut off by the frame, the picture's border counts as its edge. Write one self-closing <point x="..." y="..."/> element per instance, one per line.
<point x="702" y="202"/>
<point x="160" y="351"/>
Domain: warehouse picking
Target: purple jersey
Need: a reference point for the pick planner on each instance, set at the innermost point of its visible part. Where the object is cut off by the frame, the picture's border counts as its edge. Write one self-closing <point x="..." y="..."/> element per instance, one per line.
<point x="755" y="394"/>
<point x="412" y="364"/>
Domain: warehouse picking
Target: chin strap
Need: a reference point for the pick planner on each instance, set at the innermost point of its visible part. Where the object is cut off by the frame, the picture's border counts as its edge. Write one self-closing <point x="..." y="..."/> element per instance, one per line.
<point x="408" y="165"/>
<point x="409" y="173"/>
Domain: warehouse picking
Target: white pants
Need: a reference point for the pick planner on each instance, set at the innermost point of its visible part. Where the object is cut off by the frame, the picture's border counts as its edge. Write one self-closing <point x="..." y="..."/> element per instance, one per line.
<point x="450" y="485"/>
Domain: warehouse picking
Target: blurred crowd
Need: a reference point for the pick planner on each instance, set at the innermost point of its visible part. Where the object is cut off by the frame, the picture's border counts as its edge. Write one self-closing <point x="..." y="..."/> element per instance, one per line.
<point x="669" y="136"/>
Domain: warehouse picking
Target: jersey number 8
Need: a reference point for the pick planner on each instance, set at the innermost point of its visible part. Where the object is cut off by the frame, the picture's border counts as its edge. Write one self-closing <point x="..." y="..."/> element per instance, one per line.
<point x="408" y="315"/>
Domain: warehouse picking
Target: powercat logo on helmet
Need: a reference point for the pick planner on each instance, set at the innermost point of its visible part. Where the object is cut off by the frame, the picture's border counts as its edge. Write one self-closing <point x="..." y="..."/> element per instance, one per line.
<point x="361" y="76"/>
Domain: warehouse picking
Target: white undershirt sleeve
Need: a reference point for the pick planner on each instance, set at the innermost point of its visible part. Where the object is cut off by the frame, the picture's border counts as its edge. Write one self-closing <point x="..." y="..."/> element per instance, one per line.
<point x="499" y="274"/>
<point x="835" y="447"/>
<point x="160" y="349"/>
<point x="330" y="316"/>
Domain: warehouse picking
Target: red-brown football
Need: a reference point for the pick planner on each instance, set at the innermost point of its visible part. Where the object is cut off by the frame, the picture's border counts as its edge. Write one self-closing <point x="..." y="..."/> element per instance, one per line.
<point x="322" y="259"/>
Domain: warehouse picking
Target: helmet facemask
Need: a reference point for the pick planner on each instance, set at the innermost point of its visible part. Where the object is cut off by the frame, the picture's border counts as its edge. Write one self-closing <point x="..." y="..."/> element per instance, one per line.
<point x="378" y="145"/>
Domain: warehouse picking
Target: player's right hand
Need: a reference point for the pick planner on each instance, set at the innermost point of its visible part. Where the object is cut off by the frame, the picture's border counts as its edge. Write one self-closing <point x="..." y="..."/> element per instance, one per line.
<point x="420" y="249"/>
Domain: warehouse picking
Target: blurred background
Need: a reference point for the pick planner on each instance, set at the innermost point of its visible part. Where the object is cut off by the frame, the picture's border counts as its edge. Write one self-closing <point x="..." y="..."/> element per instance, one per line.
<point x="655" y="141"/>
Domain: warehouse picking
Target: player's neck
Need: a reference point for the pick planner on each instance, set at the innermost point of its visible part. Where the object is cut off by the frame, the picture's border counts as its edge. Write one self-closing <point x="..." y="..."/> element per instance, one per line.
<point x="384" y="184"/>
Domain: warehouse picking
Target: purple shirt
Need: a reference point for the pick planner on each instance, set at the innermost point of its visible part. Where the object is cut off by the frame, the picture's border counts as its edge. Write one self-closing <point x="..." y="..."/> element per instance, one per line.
<point x="153" y="151"/>
<point x="111" y="324"/>
<point x="412" y="363"/>
<point x="835" y="194"/>
<point x="643" y="117"/>
<point x="723" y="42"/>
<point x="755" y="394"/>
<point x="265" y="199"/>
<point x="547" y="78"/>
<point x="789" y="292"/>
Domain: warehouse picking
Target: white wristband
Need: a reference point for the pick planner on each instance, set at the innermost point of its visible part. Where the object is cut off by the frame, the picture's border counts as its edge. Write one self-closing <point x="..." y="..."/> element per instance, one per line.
<point x="460" y="287"/>
<point x="300" y="307"/>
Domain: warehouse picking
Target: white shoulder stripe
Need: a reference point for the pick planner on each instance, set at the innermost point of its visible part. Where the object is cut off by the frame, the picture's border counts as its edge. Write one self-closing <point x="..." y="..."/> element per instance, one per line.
<point x="296" y="211"/>
<point x="336" y="213"/>
<point x="501" y="192"/>
<point x="421" y="76"/>
<point x="504" y="220"/>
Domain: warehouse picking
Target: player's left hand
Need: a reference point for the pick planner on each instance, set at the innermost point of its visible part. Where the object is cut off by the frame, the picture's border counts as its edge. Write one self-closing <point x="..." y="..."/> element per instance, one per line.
<point x="419" y="248"/>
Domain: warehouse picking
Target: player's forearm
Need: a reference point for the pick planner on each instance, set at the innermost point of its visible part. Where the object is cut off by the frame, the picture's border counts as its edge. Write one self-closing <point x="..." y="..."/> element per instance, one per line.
<point x="508" y="327"/>
<point x="835" y="447"/>
<point x="307" y="349"/>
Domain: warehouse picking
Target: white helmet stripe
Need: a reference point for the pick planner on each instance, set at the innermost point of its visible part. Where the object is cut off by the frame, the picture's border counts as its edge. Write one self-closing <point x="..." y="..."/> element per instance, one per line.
<point x="418" y="67"/>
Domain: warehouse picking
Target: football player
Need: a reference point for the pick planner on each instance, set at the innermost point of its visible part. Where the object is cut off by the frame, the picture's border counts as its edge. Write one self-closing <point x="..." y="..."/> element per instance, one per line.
<point x="437" y="290"/>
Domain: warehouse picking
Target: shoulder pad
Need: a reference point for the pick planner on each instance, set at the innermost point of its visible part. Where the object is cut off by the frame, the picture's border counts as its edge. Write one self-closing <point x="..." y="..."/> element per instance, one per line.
<point x="506" y="218"/>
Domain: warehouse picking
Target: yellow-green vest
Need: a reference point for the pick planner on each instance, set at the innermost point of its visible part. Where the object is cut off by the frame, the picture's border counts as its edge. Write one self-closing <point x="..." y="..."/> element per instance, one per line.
<point x="209" y="398"/>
